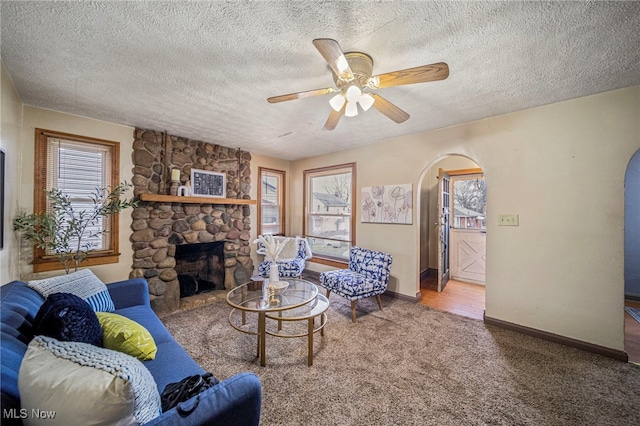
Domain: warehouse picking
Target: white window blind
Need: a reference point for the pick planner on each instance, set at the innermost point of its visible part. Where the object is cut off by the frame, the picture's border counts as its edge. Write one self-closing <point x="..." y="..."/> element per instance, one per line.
<point x="77" y="169"/>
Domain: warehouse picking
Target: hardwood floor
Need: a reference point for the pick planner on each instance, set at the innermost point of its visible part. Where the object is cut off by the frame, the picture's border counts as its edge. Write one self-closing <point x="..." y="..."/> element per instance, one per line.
<point x="468" y="300"/>
<point x="458" y="297"/>
<point x="632" y="334"/>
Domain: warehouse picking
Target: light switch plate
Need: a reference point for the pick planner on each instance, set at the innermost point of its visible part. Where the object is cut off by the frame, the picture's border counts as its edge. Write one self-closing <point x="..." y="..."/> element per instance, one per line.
<point x="508" y="220"/>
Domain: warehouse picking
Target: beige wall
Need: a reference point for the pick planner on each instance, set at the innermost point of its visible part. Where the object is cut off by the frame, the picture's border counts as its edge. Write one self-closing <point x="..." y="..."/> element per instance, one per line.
<point x="52" y="120"/>
<point x="550" y="165"/>
<point x="10" y="132"/>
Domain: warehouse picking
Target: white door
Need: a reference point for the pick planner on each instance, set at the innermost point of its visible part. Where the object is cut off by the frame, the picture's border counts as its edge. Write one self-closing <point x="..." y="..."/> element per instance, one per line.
<point x="468" y="255"/>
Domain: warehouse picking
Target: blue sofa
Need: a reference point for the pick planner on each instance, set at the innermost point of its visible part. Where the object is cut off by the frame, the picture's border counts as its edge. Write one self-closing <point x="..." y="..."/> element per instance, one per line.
<point x="234" y="401"/>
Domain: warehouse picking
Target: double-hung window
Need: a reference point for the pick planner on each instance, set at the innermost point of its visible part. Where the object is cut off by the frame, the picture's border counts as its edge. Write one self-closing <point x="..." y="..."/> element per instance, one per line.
<point x="77" y="165"/>
<point x="271" y="214"/>
<point x="329" y="205"/>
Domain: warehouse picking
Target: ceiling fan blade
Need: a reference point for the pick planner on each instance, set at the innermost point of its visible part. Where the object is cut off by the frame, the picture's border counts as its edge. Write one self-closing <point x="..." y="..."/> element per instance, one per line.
<point x="423" y="74"/>
<point x="332" y="53"/>
<point x="300" y="95"/>
<point x="334" y="118"/>
<point x="389" y="109"/>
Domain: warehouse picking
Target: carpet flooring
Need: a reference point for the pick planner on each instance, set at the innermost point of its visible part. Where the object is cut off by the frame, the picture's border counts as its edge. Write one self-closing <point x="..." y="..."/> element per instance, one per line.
<point x="634" y="312"/>
<point x="412" y="365"/>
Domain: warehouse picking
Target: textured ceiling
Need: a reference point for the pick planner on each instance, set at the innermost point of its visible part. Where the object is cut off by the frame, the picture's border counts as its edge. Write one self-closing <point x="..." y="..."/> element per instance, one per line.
<point x="205" y="69"/>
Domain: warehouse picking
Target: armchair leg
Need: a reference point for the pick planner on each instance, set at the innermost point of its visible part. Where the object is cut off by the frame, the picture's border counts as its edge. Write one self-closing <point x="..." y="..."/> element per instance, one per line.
<point x="379" y="299"/>
<point x="328" y="291"/>
<point x="353" y="310"/>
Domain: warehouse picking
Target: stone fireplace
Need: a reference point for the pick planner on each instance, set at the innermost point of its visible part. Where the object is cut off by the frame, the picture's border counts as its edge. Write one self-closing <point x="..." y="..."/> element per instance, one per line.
<point x="160" y="228"/>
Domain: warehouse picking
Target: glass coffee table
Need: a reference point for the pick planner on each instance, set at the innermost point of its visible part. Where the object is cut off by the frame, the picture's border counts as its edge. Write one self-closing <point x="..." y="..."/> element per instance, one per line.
<point x="299" y="301"/>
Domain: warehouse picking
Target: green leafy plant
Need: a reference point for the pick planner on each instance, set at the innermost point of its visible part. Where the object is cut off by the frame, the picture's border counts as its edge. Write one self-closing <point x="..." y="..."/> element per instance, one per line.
<point x="65" y="230"/>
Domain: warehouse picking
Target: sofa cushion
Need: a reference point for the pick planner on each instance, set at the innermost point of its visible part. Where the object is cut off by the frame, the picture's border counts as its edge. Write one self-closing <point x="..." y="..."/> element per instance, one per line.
<point x="18" y="308"/>
<point x="84" y="384"/>
<point x="124" y="335"/>
<point x="68" y="318"/>
<point x="171" y="364"/>
<point x="82" y="283"/>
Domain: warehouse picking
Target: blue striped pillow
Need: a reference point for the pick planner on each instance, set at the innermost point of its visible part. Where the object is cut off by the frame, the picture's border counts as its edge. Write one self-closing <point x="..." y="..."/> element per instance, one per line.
<point x="82" y="283"/>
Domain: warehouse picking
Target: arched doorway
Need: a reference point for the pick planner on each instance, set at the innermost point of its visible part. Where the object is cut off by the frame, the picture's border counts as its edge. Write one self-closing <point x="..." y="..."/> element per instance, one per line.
<point x="464" y="294"/>
<point x="631" y="256"/>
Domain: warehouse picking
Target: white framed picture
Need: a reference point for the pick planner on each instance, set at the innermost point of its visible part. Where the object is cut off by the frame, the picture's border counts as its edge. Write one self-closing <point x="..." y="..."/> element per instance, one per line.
<point x="387" y="204"/>
<point x="208" y="184"/>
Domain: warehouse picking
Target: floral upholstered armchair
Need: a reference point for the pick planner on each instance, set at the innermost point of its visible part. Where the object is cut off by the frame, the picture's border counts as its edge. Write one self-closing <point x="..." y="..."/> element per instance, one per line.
<point x="368" y="275"/>
<point x="291" y="259"/>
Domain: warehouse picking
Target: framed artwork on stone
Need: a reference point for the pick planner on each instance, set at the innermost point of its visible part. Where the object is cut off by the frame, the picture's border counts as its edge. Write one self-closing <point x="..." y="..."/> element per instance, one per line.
<point x="208" y="184"/>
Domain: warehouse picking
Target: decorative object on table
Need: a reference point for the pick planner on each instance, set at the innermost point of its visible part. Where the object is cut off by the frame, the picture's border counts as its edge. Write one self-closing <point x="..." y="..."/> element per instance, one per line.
<point x="387" y="204"/>
<point x="63" y="232"/>
<point x="208" y="184"/>
<point x="292" y="259"/>
<point x="368" y="275"/>
<point x="271" y="248"/>
<point x="274" y="276"/>
<point x="276" y="288"/>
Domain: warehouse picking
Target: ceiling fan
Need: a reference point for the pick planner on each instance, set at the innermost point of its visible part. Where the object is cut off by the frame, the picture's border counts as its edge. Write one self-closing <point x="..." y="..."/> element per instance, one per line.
<point x="352" y="73"/>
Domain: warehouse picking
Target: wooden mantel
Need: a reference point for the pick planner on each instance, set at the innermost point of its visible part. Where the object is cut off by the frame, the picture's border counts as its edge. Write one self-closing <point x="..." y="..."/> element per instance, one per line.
<point x="159" y="198"/>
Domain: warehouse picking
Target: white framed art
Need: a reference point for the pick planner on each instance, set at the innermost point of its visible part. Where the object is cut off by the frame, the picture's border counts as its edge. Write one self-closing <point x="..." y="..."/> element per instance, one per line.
<point x="387" y="204"/>
<point x="208" y="184"/>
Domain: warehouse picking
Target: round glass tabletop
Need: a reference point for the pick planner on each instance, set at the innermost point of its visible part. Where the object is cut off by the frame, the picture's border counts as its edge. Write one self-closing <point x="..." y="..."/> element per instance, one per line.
<point x="256" y="297"/>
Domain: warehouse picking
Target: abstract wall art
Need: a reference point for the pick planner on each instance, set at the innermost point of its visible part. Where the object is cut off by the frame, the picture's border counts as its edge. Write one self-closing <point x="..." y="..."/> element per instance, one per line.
<point x="387" y="204"/>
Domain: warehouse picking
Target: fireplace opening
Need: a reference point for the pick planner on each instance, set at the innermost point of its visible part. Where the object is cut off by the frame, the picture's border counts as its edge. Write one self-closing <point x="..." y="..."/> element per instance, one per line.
<point x="200" y="267"/>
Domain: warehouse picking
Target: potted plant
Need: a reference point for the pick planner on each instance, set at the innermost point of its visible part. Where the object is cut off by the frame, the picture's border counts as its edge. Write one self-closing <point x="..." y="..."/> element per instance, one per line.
<point x="65" y="230"/>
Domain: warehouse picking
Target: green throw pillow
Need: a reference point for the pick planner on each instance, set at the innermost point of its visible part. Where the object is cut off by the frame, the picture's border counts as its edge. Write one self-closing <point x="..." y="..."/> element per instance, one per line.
<point x="124" y="335"/>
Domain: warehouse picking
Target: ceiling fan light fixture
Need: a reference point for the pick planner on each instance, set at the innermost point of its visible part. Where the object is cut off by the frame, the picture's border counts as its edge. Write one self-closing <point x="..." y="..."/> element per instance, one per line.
<point x="352" y="109"/>
<point x="337" y="102"/>
<point x="366" y="101"/>
<point x="353" y="93"/>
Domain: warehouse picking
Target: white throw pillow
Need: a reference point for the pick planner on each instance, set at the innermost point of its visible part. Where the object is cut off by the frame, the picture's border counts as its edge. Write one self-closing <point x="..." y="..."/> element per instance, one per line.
<point x="82" y="283"/>
<point x="78" y="383"/>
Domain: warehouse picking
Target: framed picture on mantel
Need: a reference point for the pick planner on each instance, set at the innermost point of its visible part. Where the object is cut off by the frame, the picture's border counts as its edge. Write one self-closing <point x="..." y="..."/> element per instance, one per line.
<point x="208" y="184"/>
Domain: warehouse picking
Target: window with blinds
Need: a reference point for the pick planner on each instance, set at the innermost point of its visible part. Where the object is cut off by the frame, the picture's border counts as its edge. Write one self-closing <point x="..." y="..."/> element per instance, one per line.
<point x="78" y="168"/>
<point x="77" y="165"/>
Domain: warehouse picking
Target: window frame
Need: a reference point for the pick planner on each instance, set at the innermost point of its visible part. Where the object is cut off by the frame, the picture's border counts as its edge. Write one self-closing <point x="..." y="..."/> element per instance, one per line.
<point x="41" y="261"/>
<point x="281" y="196"/>
<point x="307" y="204"/>
<point x="460" y="175"/>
